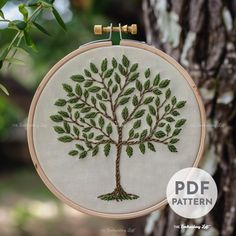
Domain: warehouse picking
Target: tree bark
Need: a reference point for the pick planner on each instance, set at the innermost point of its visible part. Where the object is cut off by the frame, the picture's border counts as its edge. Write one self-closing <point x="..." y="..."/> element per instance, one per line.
<point x="201" y="35"/>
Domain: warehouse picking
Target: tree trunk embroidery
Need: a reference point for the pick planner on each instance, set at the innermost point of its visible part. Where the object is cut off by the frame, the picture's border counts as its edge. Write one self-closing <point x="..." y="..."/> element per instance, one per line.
<point x="96" y="114"/>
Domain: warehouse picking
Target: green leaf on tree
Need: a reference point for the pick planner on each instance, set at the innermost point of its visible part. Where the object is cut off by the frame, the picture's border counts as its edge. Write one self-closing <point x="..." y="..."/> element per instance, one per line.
<point x="101" y="122"/>
<point x="160" y="134"/>
<point x="59" y="129"/>
<point x="87" y="73"/>
<point x="142" y="148"/>
<point x="124" y="100"/>
<point x="137" y="124"/>
<point x="129" y="91"/>
<point x="94" y="89"/>
<point x="147" y="85"/>
<point x="114" y="63"/>
<point x="156" y="80"/>
<point x="168" y="93"/>
<point x="149" y="120"/>
<point x="104" y="65"/>
<point x="173" y="100"/>
<point x="76" y="131"/>
<point x="58" y="18"/>
<point x="107" y="149"/>
<point x="122" y="69"/>
<point x="109" y="129"/>
<point x="151" y="147"/>
<point x="56" y="118"/>
<point x="73" y="153"/>
<point x="65" y="139"/>
<point x="90" y="115"/>
<point x="108" y="73"/>
<point x="139" y="85"/>
<point x="139" y="114"/>
<point x="135" y="100"/>
<point x="134" y="67"/>
<point x="60" y="102"/>
<point x="79" y="147"/>
<point x="172" y="148"/>
<point x="103" y="106"/>
<point x="179" y="123"/>
<point x="95" y="151"/>
<point x="152" y="110"/>
<point x="180" y="104"/>
<point x="129" y="151"/>
<point x="125" y="61"/>
<point x="117" y="78"/>
<point x="78" y="78"/>
<point x="67" y="88"/>
<point x="66" y="127"/>
<point x="174" y="140"/>
<point x="164" y="83"/>
<point x="148" y="100"/>
<point x="147" y="73"/>
<point x="169" y="119"/>
<point x="143" y="135"/>
<point x="125" y="113"/>
<point x="176" y="132"/>
<point x="93" y="68"/>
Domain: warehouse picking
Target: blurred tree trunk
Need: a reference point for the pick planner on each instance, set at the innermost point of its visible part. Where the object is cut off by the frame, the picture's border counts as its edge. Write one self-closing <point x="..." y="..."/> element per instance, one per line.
<point x="201" y="35"/>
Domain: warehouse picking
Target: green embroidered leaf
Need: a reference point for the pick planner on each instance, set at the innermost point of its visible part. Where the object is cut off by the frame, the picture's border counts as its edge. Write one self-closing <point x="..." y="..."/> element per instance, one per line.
<point x="125" y="61"/>
<point x="90" y="115"/>
<point x="124" y="100"/>
<point x="151" y="147"/>
<point x="137" y="124"/>
<point x="91" y="135"/>
<point x="147" y="73"/>
<point x="180" y="104"/>
<point x="69" y="109"/>
<point x="65" y="139"/>
<point x="83" y="155"/>
<point x="107" y="149"/>
<point x="115" y="88"/>
<point x="86" y="130"/>
<point x="157" y="101"/>
<point x="133" y="77"/>
<point x="93" y="100"/>
<point x="160" y="134"/>
<point x="147" y="85"/>
<point x="172" y="148"/>
<point x="110" y="82"/>
<point x="169" y="119"/>
<point x="99" y="137"/>
<point x="76" y="130"/>
<point x="101" y="122"/>
<point x="60" y="102"/>
<point x="85" y="109"/>
<point x="168" y="93"/>
<point x="139" y="114"/>
<point x="80" y="147"/>
<point x="56" y="118"/>
<point x="164" y="83"/>
<point x="104" y="94"/>
<point x="78" y="90"/>
<point x="142" y="148"/>
<point x="86" y="94"/>
<point x="59" y="129"/>
<point x="134" y="67"/>
<point x="143" y="135"/>
<point x="87" y="73"/>
<point x="173" y="100"/>
<point x="99" y="96"/>
<point x="66" y="127"/>
<point x="136" y="135"/>
<point x="129" y="91"/>
<point x="157" y="91"/>
<point x="63" y="114"/>
<point x="129" y="151"/>
<point x="95" y="151"/>
<point x="152" y="110"/>
<point x="94" y="89"/>
<point x="135" y="100"/>
<point x="73" y="100"/>
<point x="174" y="140"/>
<point x="161" y="124"/>
<point x="175" y="113"/>
<point x="67" y="88"/>
<point x="104" y="65"/>
<point x="149" y="120"/>
<point x="148" y="100"/>
<point x="78" y="78"/>
<point x="108" y="73"/>
<point x="73" y="153"/>
<point x="131" y="133"/>
<point x="122" y="69"/>
<point x="103" y="106"/>
<point x="109" y="129"/>
<point x="167" y="108"/>
<point x="92" y="122"/>
<point x="88" y="84"/>
<point x="93" y="68"/>
<point x="139" y="85"/>
<point x="168" y="128"/>
<point x="125" y="113"/>
<point x="176" y="132"/>
<point x="179" y="123"/>
<point x="114" y="62"/>
<point x="156" y="80"/>
<point x="117" y="78"/>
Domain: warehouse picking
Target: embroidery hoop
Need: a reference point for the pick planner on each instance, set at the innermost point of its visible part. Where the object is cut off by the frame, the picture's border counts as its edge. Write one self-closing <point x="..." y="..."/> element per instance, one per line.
<point x="85" y="48"/>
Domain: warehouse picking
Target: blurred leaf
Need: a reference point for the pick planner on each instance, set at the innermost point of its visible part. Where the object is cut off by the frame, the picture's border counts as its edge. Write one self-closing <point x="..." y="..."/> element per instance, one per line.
<point x="23" y="11"/>
<point x="2" y="3"/>
<point x="3" y="88"/>
<point x="15" y="61"/>
<point x="41" y="28"/>
<point x="58" y="18"/>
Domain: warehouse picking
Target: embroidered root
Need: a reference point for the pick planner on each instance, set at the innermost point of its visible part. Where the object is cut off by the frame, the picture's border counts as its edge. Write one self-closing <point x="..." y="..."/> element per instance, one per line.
<point x="118" y="194"/>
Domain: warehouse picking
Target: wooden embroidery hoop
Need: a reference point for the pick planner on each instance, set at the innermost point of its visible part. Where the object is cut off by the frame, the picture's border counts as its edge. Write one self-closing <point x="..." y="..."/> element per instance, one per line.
<point x="44" y="82"/>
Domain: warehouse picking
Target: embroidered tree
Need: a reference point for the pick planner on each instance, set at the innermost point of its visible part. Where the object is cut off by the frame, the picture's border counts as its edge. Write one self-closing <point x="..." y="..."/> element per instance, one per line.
<point x="113" y="105"/>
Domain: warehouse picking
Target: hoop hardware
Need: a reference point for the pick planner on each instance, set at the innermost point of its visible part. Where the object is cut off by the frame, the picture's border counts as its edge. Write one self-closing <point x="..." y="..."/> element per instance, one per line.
<point x="99" y="29"/>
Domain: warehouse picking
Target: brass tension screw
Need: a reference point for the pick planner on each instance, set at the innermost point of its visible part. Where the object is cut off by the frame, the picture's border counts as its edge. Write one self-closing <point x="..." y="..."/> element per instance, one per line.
<point x="99" y="29"/>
